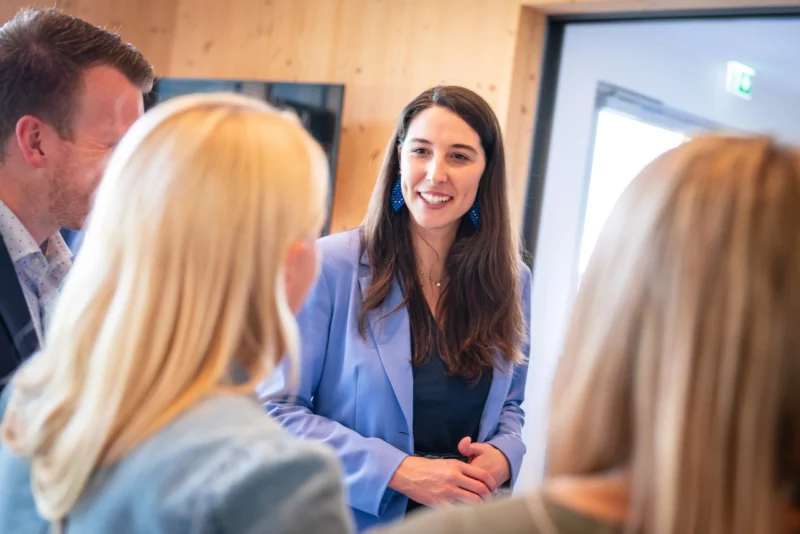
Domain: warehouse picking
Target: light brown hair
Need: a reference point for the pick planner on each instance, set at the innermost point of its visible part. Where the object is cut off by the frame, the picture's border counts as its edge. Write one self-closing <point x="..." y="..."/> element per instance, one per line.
<point x="682" y="360"/>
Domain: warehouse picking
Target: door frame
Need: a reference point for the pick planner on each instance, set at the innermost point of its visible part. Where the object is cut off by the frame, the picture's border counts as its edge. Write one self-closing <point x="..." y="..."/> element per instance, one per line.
<point x="557" y="16"/>
<point x="545" y="316"/>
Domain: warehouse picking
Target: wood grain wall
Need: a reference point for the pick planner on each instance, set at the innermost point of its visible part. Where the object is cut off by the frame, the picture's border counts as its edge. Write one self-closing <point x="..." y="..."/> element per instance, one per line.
<point x="383" y="51"/>
<point x="149" y="24"/>
<point x="567" y="7"/>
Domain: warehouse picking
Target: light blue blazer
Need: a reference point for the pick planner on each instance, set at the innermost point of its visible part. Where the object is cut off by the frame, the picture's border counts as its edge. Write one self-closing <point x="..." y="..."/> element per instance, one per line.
<point x="357" y="395"/>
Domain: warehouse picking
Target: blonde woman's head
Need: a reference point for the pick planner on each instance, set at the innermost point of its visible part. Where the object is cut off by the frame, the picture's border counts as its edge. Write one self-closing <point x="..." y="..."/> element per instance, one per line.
<point x="682" y="362"/>
<point x="200" y="248"/>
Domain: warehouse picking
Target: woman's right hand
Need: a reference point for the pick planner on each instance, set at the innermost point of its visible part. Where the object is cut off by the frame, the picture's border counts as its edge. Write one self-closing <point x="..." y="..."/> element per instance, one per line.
<point x="432" y="482"/>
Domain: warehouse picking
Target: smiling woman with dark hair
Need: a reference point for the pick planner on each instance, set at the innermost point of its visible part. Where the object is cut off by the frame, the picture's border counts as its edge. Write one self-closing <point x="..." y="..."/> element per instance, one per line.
<point x="415" y="335"/>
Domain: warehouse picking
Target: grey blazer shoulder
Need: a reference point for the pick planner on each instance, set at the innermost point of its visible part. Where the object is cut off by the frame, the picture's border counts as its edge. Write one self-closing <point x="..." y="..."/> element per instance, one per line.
<point x="509" y="516"/>
<point x="526" y="514"/>
<point x="222" y="467"/>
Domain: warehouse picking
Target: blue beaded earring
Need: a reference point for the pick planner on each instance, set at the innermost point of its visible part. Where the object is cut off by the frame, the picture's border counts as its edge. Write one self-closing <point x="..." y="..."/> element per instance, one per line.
<point x="396" y="198"/>
<point x="475" y="213"/>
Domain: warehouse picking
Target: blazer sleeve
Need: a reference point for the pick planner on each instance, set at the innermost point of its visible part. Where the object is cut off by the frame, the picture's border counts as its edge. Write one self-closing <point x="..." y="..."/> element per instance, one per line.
<point x="369" y="463"/>
<point x="277" y="490"/>
<point x="508" y="438"/>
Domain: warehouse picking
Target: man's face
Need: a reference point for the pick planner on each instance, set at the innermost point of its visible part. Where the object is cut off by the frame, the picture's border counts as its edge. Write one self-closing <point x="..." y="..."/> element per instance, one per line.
<point x="108" y="105"/>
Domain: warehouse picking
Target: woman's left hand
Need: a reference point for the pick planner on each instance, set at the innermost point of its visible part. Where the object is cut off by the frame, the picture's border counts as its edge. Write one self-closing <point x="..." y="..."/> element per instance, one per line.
<point x="486" y="457"/>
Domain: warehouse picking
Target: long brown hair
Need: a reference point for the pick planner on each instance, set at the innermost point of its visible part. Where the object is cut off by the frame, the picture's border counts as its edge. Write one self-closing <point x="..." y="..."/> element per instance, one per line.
<point x="480" y="309"/>
<point x="682" y="361"/>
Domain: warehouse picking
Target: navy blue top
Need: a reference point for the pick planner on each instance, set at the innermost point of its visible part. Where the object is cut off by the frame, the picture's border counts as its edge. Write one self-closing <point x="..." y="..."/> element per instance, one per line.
<point x="447" y="408"/>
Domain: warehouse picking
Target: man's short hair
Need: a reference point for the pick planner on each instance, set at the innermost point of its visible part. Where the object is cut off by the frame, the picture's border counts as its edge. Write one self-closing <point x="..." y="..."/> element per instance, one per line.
<point x="43" y="56"/>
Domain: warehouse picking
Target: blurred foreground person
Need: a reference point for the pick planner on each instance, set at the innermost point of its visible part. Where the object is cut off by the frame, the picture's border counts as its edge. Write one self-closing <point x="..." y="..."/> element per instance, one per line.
<point x="138" y="414"/>
<point x="676" y="407"/>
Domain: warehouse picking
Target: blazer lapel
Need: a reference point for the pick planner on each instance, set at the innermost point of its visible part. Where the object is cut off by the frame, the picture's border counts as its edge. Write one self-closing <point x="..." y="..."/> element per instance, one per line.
<point x="392" y="335"/>
<point x="14" y="310"/>
<point x="498" y="391"/>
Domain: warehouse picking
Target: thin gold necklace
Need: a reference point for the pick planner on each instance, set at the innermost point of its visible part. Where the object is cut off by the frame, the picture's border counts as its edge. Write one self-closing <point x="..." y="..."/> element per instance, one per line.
<point x="437" y="283"/>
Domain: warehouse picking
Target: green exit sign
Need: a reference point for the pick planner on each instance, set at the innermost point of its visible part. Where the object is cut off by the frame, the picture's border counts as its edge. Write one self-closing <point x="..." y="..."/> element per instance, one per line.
<point x="739" y="80"/>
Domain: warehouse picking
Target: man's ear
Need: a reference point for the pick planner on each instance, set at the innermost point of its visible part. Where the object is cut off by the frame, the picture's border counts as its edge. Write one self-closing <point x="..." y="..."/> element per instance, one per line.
<point x="293" y="259"/>
<point x="30" y="133"/>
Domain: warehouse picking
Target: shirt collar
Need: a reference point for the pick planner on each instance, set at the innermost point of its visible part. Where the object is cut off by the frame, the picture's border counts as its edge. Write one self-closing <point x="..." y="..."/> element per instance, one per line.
<point x="57" y="249"/>
<point x="20" y="242"/>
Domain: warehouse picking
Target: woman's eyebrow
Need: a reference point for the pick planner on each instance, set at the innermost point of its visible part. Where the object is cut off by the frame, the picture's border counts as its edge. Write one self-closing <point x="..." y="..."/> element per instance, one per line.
<point x="456" y="145"/>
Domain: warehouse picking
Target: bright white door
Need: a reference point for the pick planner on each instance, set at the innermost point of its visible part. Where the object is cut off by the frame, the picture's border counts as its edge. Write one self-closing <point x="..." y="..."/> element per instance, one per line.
<point x="623" y="147"/>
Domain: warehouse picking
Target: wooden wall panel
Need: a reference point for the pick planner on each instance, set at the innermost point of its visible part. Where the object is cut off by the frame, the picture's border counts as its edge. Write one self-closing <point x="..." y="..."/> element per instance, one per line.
<point x="528" y="55"/>
<point x="148" y="24"/>
<point x="572" y="7"/>
<point x="384" y="51"/>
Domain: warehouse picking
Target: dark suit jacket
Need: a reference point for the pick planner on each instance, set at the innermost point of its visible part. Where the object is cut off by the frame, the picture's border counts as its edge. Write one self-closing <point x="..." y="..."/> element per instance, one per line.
<point x="18" y="339"/>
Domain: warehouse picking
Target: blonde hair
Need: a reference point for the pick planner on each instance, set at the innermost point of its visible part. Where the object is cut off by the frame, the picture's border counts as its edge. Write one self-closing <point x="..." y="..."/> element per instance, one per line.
<point x="682" y="361"/>
<point x="179" y="278"/>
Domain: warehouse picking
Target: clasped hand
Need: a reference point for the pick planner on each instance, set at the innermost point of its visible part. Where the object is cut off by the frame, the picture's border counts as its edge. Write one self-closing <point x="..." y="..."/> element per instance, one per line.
<point x="435" y="482"/>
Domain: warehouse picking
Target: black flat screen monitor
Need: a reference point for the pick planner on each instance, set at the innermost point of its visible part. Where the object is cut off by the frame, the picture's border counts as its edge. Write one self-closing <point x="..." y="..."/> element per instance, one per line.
<point x="319" y="106"/>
